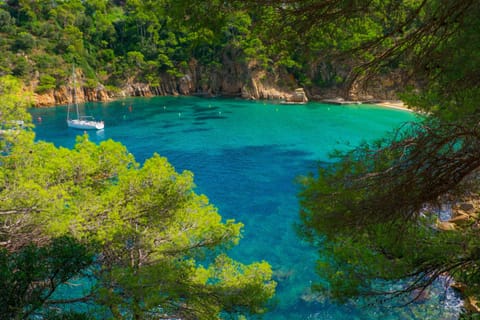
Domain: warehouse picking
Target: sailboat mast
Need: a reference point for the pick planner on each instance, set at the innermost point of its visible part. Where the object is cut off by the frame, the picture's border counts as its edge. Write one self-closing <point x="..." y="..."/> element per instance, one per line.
<point x="68" y="112"/>
<point x="75" y="91"/>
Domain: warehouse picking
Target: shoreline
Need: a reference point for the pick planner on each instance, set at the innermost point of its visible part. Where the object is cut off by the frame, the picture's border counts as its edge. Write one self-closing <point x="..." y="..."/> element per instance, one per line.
<point x="394" y="104"/>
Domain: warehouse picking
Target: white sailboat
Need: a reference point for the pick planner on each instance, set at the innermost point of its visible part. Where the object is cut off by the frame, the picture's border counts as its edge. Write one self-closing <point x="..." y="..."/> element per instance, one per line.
<point x="81" y="122"/>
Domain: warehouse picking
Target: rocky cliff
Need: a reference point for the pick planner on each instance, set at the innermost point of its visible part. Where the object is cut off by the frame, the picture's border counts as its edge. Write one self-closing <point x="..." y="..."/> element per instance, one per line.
<point x="232" y="79"/>
<point x="63" y="95"/>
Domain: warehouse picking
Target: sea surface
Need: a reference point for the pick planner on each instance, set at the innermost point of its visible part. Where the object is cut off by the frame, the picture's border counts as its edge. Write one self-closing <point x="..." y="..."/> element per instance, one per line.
<point x="246" y="156"/>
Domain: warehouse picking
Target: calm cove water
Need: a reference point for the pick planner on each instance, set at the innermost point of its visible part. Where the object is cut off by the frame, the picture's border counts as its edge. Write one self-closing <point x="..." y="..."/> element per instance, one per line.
<point x="245" y="156"/>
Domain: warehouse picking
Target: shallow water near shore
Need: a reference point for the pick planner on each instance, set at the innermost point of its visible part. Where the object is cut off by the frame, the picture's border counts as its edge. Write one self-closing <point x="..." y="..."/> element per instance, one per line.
<point x="246" y="156"/>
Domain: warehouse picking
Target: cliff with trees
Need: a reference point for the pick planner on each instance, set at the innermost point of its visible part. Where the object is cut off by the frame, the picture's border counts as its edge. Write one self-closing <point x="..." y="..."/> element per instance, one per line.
<point x="142" y="48"/>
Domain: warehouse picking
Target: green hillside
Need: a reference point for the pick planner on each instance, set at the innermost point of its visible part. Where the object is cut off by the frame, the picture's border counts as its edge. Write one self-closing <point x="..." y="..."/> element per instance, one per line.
<point x="153" y="42"/>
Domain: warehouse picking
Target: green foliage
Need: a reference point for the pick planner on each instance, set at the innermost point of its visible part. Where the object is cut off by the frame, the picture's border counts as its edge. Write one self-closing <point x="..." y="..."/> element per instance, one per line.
<point x="469" y="316"/>
<point x="58" y="315"/>
<point x="22" y="67"/>
<point x="145" y="40"/>
<point x="13" y="101"/>
<point x="368" y="212"/>
<point x="451" y="94"/>
<point x="373" y="215"/>
<point x="47" y="82"/>
<point x="91" y="83"/>
<point x="350" y="210"/>
<point x="29" y="276"/>
<point x="160" y="246"/>
<point x="6" y="21"/>
<point x="24" y="41"/>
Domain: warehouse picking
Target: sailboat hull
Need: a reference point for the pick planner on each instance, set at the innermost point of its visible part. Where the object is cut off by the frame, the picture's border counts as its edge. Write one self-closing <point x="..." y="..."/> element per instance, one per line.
<point x="85" y="124"/>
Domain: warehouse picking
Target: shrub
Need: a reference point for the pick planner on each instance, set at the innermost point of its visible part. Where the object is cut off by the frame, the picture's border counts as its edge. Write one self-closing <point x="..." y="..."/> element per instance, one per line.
<point x="47" y="83"/>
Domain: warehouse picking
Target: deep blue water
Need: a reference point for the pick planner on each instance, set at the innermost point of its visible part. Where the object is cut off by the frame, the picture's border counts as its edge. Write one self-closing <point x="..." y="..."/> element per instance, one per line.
<point x="246" y="156"/>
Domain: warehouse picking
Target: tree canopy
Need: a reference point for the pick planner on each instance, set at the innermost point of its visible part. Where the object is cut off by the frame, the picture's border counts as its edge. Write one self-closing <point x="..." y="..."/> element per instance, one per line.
<point x="152" y="247"/>
<point x="374" y="213"/>
<point x="117" y="42"/>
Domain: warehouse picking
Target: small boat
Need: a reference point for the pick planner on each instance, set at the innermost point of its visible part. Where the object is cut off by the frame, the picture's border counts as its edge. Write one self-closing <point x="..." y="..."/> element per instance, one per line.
<point x="85" y="123"/>
<point x="82" y="122"/>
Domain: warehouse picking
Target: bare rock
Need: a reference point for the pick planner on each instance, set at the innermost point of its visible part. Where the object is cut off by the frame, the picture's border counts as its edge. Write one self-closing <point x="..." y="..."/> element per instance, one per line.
<point x="185" y="85"/>
<point x="45" y="99"/>
<point x="460" y="219"/>
<point x="63" y="95"/>
<point x="471" y="304"/>
<point x="298" y="96"/>
<point x="309" y="296"/>
<point x="459" y="212"/>
<point x="445" y="226"/>
<point x="95" y="94"/>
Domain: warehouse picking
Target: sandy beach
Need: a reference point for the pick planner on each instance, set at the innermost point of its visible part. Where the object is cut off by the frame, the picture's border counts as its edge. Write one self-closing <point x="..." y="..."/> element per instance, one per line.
<point x="394" y="104"/>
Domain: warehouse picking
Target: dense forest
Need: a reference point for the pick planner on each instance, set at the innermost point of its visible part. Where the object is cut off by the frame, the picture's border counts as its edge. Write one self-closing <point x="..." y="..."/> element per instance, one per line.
<point x="176" y="47"/>
<point x="139" y="230"/>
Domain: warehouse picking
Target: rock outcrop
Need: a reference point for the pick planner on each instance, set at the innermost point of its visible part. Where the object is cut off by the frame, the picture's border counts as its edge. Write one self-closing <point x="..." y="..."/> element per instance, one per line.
<point x="298" y="96"/>
<point x="45" y="100"/>
<point x="137" y="90"/>
<point x="383" y="87"/>
<point x="185" y="85"/>
<point x="96" y="94"/>
<point x="470" y="303"/>
<point x="465" y="214"/>
<point x="233" y="78"/>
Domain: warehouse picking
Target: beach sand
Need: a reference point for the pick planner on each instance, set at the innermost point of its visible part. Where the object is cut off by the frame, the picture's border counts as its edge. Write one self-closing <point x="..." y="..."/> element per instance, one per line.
<point x="394" y="104"/>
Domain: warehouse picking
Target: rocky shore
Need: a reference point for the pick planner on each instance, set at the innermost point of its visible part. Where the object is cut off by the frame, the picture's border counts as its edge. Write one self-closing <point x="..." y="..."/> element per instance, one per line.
<point x="63" y="96"/>
<point x="464" y="215"/>
<point x="232" y="79"/>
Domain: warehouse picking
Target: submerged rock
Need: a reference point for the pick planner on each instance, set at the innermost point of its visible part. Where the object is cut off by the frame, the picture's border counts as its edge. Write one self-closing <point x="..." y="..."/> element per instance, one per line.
<point x="310" y="296"/>
<point x="282" y="274"/>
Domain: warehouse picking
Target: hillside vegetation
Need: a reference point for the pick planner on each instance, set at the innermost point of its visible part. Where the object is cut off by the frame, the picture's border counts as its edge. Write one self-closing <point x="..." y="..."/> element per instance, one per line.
<point x="176" y="47"/>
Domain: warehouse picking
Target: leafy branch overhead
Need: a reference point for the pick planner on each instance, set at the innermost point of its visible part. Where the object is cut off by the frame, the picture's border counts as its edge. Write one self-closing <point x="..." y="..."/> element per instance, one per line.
<point x="373" y="214"/>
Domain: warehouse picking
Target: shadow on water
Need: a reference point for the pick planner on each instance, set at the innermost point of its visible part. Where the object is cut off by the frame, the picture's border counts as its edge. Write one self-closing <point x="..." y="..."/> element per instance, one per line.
<point x="209" y="117"/>
<point x="171" y="125"/>
<point x="195" y="130"/>
<point x="198" y="109"/>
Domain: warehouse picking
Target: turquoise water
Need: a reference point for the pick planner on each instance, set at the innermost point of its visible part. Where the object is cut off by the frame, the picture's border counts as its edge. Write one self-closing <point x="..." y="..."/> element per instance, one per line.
<point x="245" y="156"/>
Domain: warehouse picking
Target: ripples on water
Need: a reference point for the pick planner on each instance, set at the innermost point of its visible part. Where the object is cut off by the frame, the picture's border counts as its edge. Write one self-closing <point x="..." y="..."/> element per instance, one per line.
<point x="245" y="156"/>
